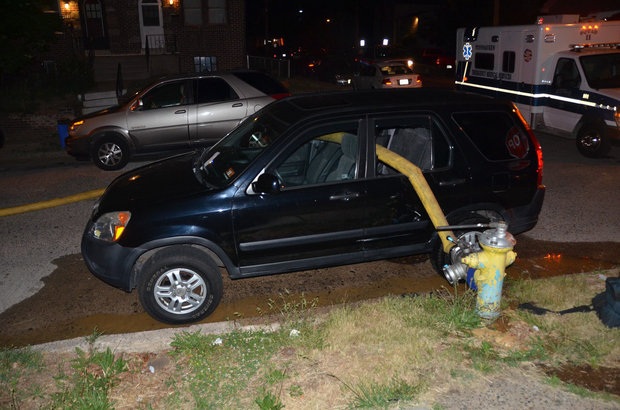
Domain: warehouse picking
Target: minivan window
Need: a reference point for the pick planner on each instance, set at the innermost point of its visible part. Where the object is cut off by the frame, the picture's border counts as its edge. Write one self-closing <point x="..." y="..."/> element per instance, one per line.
<point x="165" y="95"/>
<point x="495" y="134"/>
<point x="214" y="89"/>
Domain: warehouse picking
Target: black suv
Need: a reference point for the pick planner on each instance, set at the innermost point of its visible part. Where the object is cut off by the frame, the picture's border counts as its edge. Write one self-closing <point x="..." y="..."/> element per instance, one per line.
<point x="277" y="194"/>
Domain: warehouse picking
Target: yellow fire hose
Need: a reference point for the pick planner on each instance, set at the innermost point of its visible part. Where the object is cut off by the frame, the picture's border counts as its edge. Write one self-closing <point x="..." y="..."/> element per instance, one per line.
<point x="415" y="176"/>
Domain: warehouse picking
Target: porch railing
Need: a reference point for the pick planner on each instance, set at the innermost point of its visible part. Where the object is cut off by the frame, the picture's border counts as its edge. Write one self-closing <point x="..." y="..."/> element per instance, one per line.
<point x="161" y="44"/>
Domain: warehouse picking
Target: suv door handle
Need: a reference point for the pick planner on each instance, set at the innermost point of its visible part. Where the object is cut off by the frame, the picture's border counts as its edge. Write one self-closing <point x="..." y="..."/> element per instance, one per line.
<point x="179" y="112"/>
<point x="347" y="196"/>
<point x="237" y="105"/>
<point x="452" y="182"/>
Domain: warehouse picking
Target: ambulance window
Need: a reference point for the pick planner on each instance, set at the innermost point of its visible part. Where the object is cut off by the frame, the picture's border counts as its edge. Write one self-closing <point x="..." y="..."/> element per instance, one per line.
<point x="499" y="139"/>
<point x="566" y="74"/>
<point x="484" y="61"/>
<point x="508" y="62"/>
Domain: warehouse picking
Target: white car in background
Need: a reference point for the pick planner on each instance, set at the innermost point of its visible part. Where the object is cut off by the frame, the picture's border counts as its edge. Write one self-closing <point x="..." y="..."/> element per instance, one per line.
<point x="386" y="75"/>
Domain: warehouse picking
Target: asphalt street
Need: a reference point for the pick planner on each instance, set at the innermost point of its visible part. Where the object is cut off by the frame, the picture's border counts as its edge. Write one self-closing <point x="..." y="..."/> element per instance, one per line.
<point x="580" y="206"/>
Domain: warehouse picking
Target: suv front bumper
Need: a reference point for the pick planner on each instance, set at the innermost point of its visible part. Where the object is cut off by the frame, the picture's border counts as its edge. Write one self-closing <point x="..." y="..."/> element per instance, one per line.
<point x="110" y="262"/>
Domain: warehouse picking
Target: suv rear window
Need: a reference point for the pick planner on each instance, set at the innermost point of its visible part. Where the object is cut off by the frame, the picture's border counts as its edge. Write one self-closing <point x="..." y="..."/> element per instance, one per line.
<point x="262" y="82"/>
<point x="496" y="134"/>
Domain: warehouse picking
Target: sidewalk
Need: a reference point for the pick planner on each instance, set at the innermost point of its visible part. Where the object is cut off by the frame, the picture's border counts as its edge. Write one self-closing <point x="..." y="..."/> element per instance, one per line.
<point x="31" y="141"/>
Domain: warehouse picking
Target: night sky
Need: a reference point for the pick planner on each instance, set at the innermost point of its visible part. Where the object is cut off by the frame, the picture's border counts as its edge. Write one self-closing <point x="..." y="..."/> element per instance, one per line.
<point x="373" y="20"/>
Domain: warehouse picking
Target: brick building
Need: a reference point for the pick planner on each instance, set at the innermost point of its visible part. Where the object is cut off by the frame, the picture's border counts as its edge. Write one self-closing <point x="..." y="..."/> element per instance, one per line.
<point x="176" y="35"/>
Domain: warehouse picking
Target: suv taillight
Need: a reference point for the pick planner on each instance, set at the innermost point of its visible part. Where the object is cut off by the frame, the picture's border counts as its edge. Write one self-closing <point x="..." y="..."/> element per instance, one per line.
<point x="539" y="155"/>
<point x="386" y="81"/>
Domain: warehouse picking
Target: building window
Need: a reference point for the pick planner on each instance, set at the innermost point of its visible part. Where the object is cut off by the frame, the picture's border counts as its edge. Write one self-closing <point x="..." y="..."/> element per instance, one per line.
<point x="150" y="13"/>
<point x="217" y="12"/>
<point x="93" y="10"/>
<point x="205" y="64"/>
<point x="192" y="12"/>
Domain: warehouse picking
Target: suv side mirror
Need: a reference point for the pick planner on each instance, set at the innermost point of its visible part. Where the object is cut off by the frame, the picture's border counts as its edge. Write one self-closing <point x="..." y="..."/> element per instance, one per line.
<point x="266" y="184"/>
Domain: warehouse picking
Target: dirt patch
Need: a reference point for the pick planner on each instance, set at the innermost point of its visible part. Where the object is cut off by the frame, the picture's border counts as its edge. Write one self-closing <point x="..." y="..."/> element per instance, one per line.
<point x="599" y="379"/>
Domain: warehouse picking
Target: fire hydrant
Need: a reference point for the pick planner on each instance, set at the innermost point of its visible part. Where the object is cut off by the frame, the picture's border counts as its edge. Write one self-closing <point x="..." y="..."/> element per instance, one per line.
<point x="490" y="264"/>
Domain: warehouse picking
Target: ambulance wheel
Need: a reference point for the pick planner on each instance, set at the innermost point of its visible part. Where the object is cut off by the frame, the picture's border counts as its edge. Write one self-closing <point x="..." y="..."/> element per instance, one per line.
<point x="591" y="140"/>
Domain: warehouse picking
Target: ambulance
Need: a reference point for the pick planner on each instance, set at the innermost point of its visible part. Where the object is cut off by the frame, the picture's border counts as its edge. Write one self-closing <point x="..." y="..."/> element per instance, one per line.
<point x="564" y="78"/>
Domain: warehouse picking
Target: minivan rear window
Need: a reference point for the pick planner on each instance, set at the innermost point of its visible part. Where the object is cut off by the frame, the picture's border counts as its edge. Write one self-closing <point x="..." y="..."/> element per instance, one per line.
<point x="495" y="134"/>
<point x="262" y="82"/>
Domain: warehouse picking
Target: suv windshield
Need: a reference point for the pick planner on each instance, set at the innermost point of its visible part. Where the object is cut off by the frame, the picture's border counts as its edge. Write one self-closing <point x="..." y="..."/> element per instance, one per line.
<point x="222" y="163"/>
<point x="602" y="70"/>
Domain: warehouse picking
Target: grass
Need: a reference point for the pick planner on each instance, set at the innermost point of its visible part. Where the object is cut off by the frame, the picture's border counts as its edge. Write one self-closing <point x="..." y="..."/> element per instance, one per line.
<point x="378" y="354"/>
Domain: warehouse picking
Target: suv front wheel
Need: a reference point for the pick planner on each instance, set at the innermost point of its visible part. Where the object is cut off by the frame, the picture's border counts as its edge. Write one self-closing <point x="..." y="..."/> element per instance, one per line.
<point x="180" y="284"/>
<point x="110" y="153"/>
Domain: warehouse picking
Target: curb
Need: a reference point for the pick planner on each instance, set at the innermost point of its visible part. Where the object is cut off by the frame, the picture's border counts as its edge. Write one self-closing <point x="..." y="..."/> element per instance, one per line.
<point x="148" y="341"/>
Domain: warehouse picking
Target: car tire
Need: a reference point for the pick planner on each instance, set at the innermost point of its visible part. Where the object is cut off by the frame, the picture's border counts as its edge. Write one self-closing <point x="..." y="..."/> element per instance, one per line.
<point x="180" y="284"/>
<point x="591" y="141"/>
<point x="438" y="257"/>
<point x="110" y="153"/>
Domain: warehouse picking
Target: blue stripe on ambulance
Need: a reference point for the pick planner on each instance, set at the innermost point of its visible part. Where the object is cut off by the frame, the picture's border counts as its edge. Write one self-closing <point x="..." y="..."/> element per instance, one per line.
<point x="543" y="95"/>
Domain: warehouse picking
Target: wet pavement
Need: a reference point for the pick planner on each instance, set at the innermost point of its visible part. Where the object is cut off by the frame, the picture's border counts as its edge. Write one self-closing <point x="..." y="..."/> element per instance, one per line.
<point x="73" y="303"/>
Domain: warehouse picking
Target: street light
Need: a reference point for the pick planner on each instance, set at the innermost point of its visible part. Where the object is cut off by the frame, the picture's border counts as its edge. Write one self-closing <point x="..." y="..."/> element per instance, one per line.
<point x="362" y="43"/>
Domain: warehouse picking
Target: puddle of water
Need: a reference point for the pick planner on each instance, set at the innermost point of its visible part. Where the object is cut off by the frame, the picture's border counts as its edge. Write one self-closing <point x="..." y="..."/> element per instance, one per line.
<point x="556" y="264"/>
<point x="327" y="286"/>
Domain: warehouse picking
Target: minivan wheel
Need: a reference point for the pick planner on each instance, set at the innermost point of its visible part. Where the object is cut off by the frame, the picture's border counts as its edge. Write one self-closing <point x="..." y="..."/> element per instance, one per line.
<point x="110" y="153"/>
<point x="591" y="141"/>
<point x="438" y="257"/>
<point x="180" y="285"/>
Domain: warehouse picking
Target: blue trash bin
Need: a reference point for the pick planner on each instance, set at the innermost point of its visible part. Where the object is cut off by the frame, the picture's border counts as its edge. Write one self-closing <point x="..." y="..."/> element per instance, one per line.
<point x="63" y="132"/>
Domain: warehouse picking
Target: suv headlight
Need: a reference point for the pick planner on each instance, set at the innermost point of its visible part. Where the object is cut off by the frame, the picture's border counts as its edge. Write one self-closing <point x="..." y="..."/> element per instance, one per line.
<point x="109" y="227"/>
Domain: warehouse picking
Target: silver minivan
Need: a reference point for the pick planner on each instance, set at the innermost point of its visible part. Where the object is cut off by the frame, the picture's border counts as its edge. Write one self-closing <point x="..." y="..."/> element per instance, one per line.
<point x="172" y="114"/>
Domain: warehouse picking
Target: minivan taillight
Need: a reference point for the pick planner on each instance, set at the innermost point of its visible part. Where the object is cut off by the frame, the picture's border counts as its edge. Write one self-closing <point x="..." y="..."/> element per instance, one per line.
<point x="279" y="96"/>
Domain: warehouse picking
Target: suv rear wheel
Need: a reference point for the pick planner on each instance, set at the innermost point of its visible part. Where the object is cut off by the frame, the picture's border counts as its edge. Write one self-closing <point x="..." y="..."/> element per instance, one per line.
<point x="180" y="284"/>
<point x="110" y="153"/>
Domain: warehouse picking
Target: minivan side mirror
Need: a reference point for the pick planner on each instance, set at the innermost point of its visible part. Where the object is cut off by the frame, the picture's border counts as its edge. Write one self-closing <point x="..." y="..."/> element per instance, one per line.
<point x="137" y="105"/>
<point x="266" y="184"/>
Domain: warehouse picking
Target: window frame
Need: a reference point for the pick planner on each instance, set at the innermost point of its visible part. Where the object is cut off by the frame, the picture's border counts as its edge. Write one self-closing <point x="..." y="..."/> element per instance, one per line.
<point x="435" y="124"/>
<point x="313" y="131"/>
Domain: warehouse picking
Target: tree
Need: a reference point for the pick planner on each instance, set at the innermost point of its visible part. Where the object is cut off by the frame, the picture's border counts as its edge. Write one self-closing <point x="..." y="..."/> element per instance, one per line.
<point x="27" y="27"/>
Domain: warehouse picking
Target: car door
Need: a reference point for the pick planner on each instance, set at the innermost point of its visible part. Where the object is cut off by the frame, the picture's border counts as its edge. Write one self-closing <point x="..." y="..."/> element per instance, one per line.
<point x="219" y="109"/>
<point x="397" y="221"/>
<point x="160" y="119"/>
<point x="563" y="110"/>
<point x="317" y="217"/>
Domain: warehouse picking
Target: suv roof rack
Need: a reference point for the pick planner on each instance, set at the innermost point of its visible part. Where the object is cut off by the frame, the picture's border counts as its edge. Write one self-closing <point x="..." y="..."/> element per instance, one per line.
<point x="582" y="46"/>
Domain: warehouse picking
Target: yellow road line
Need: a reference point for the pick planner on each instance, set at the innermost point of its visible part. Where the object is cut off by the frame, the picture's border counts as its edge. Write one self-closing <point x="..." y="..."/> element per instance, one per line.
<point x="51" y="203"/>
